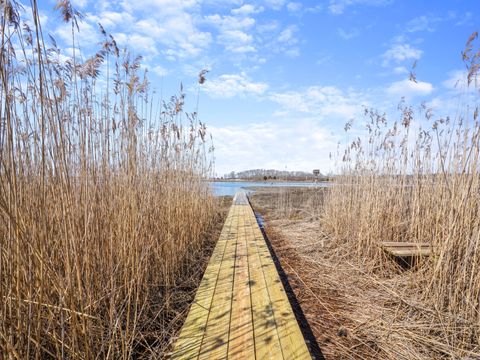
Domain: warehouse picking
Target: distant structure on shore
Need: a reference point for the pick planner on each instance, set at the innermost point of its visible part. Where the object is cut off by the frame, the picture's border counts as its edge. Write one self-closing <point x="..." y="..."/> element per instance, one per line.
<point x="271" y="174"/>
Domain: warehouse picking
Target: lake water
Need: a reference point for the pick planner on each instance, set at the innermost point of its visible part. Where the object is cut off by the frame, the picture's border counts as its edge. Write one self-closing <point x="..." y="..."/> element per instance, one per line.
<point x="223" y="188"/>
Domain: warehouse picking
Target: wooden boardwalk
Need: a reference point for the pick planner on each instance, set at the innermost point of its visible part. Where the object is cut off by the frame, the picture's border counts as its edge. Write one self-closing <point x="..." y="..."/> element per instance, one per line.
<point x="241" y="310"/>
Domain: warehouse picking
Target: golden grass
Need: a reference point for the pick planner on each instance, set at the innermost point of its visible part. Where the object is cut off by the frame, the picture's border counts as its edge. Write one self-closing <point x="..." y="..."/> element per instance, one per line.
<point x="418" y="180"/>
<point x="103" y="206"/>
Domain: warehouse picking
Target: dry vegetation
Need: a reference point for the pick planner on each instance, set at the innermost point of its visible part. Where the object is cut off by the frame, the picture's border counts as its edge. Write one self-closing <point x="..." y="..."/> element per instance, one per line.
<point x="417" y="180"/>
<point x="103" y="209"/>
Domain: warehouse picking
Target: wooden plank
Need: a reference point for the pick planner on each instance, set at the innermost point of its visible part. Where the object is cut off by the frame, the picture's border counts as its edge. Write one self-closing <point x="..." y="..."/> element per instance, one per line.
<point x="403" y="244"/>
<point x="216" y="337"/>
<point x="190" y="339"/>
<point x="409" y="252"/>
<point x="267" y="342"/>
<point x="241" y="344"/>
<point x="291" y="338"/>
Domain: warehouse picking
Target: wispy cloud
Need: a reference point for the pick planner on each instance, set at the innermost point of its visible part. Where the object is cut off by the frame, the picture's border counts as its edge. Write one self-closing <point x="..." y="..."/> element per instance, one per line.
<point x="287" y="42"/>
<point x="294" y="7"/>
<point x="322" y="101"/>
<point x="230" y="85"/>
<point x="275" y="4"/>
<point x="410" y="89"/>
<point x="287" y="36"/>
<point x="348" y="34"/>
<point x="160" y="70"/>
<point x="247" y="9"/>
<point x="423" y="23"/>
<point x="234" y="32"/>
<point x="398" y="53"/>
<point x="338" y="7"/>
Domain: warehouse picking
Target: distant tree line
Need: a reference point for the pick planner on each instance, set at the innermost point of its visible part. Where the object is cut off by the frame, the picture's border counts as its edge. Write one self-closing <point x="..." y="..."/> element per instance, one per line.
<point x="271" y="174"/>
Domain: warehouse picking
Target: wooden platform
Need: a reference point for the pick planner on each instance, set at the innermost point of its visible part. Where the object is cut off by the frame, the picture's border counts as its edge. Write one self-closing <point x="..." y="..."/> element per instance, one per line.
<point x="406" y="249"/>
<point x="241" y="310"/>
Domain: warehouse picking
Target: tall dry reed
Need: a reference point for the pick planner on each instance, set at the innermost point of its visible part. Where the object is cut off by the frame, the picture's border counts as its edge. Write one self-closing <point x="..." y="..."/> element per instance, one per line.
<point x="417" y="180"/>
<point x="102" y="202"/>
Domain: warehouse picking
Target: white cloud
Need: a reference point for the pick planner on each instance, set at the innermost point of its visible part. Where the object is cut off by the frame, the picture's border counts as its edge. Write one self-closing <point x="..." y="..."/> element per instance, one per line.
<point x="300" y="145"/>
<point x="294" y="52"/>
<point x="322" y="101"/>
<point x="457" y="99"/>
<point x="398" y="53"/>
<point x="230" y="85"/>
<point x="457" y="79"/>
<point x="87" y="36"/>
<point x="338" y="7"/>
<point x="27" y="16"/>
<point x="160" y="70"/>
<point x="111" y="20"/>
<point x="171" y="24"/>
<point x="232" y="32"/>
<point x="287" y="36"/>
<point x="275" y="4"/>
<point x="161" y="8"/>
<point x="323" y="59"/>
<point x="141" y="44"/>
<point x="422" y="23"/>
<point x="80" y="4"/>
<point x="236" y="41"/>
<point x="286" y="42"/>
<point x="401" y="70"/>
<point x="314" y="9"/>
<point x="409" y="89"/>
<point x="267" y="27"/>
<point x="237" y="36"/>
<point x="247" y="9"/>
<point x="294" y="6"/>
<point x="178" y="34"/>
<point x="466" y="19"/>
<point x="348" y="34"/>
<point x="149" y="27"/>
<point x="230" y="22"/>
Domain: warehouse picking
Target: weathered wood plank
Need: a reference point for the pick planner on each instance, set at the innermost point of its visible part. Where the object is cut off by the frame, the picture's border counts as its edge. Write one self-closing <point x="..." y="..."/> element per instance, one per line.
<point x="241" y="341"/>
<point x="267" y="342"/>
<point x="291" y="338"/>
<point x="409" y="252"/>
<point x="404" y="244"/>
<point x="191" y="335"/>
<point x="215" y="340"/>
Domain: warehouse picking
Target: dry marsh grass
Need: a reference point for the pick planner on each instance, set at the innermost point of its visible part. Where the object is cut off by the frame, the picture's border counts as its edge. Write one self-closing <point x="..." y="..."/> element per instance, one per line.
<point x="103" y="207"/>
<point x="417" y="179"/>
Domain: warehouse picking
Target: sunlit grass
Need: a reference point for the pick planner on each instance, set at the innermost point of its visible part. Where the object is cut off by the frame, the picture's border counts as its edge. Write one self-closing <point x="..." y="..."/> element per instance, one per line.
<point x="102" y="201"/>
<point x="417" y="180"/>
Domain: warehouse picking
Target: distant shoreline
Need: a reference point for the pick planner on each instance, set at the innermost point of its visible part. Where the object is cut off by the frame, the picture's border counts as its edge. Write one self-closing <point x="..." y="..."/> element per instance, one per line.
<point x="272" y="180"/>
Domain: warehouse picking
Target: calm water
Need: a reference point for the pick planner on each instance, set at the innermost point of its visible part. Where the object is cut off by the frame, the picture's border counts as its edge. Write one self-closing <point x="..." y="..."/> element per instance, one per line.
<point x="222" y="188"/>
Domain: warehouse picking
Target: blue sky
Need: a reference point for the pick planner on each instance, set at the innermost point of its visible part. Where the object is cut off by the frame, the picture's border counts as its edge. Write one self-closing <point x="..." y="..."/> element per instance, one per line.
<point x="286" y="75"/>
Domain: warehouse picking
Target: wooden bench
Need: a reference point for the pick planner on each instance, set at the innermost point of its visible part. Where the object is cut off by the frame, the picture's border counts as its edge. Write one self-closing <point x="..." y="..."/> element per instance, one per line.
<point x="407" y="254"/>
<point x="406" y="249"/>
